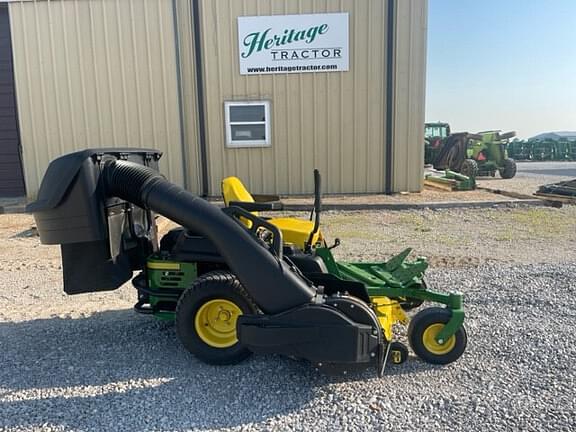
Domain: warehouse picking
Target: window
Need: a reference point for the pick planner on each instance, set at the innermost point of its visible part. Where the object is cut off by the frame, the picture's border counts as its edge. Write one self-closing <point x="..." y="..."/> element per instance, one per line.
<point x="247" y="124"/>
<point x="437" y="131"/>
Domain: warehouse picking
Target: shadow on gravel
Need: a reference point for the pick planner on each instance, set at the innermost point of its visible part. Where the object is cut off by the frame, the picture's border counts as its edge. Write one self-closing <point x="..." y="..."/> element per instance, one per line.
<point x="117" y="370"/>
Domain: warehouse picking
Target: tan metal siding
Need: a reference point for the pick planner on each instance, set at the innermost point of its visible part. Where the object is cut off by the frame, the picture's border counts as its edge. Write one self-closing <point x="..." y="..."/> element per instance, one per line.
<point x="189" y="93"/>
<point x="409" y="95"/>
<point x="95" y="73"/>
<point x="332" y="121"/>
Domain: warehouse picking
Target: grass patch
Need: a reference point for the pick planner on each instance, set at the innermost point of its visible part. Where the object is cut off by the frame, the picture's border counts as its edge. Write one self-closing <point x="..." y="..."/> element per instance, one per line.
<point x="453" y="241"/>
<point x="345" y="219"/>
<point x="362" y="235"/>
<point x="504" y="236"/>
<point x="543" y="222"/>
<point x="416" y="222"/>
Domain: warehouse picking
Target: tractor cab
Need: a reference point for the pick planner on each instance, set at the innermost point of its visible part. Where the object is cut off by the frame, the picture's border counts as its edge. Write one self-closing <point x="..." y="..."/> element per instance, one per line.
<point x="436" y="130"/>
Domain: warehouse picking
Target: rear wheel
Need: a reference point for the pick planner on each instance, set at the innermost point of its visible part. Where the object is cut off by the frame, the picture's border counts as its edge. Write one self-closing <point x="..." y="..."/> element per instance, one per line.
<point x="508" y="170"/>
<point x="206" y="318"/>
<point x="469" y="168"/>
<point x="422" y="332"/>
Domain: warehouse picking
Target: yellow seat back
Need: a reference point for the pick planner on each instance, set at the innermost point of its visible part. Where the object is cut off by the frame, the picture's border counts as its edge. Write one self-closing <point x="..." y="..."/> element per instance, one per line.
<point x="234" y="190"/>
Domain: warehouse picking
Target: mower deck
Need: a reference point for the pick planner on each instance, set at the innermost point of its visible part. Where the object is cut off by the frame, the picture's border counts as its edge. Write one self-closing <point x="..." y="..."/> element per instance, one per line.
<point x="397" y="285"/>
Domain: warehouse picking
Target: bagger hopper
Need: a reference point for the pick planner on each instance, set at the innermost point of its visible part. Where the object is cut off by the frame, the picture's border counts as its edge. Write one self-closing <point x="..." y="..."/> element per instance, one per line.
<point x="227" y="278"/>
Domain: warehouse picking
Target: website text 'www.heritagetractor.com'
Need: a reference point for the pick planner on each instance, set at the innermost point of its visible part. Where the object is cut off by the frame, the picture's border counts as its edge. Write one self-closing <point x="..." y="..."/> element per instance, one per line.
<point x="308" y="68"/>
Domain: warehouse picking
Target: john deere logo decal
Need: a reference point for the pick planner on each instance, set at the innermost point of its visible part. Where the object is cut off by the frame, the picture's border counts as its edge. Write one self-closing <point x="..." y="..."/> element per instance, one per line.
<point x="293" y="43"/>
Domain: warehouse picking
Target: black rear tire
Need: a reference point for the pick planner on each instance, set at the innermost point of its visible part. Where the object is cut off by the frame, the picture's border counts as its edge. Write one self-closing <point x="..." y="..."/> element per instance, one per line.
<point x="214" y="286"/>
<point x="508" y="170"/>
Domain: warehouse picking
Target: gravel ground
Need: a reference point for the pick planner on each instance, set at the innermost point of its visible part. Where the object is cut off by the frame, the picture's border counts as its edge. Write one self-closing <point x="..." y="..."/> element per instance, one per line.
<point x="88" y="362"/>
<point x="427" y="195"/>
<point x="522" y="183"/>
<point x="456" y="238"/>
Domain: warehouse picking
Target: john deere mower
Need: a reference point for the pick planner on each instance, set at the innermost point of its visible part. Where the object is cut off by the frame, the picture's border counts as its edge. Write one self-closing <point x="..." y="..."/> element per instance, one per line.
<point x="229" y="277"/>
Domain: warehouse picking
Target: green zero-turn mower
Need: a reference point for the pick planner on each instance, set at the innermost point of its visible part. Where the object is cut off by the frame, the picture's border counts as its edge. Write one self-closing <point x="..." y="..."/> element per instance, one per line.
<point x="227" y="278"/>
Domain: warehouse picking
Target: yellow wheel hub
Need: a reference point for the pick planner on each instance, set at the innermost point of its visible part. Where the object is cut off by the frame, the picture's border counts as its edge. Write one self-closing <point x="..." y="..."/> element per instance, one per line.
<point x="215" y="323"/>
<point x="429" y="340"/>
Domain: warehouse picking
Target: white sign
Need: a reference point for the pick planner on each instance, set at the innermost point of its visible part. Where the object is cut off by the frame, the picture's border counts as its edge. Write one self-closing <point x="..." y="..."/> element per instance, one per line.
<point x="293" y="43"/>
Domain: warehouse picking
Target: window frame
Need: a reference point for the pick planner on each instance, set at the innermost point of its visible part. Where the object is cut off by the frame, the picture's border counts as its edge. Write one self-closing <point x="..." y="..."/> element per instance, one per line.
<point x="231" y="143"/>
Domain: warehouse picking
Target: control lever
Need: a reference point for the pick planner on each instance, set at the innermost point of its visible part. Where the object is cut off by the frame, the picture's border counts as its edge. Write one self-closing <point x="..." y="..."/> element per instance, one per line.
<point x="336" y="243"/>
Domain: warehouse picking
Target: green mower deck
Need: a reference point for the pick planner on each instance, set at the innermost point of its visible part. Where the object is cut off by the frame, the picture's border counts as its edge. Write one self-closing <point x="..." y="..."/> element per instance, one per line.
<point x="398" y="279"/>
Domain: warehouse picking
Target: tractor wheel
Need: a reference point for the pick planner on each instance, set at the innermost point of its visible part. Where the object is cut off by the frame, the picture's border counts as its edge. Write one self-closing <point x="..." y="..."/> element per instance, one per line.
<point x="469" y="168"/>
<point x="206" y="317"/>
<point x="509" y="169"/>
<point x="398" y="353"/>
<point x="422" y="331"/>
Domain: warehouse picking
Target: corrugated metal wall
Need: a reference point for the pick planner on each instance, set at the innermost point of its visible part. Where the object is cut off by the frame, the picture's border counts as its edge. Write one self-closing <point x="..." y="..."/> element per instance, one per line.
<point x="189" y="93"/>
<point x="332" y="121"/>
<point x="409" y="94"/>
<point x="95" y="73"/>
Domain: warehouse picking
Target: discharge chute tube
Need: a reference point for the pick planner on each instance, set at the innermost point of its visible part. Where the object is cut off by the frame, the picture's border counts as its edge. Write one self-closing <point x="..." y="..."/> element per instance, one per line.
<point x="273" y="285"/>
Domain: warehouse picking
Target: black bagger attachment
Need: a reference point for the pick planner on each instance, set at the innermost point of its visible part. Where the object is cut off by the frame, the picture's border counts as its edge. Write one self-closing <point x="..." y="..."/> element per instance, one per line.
<point x="97" y="204"/>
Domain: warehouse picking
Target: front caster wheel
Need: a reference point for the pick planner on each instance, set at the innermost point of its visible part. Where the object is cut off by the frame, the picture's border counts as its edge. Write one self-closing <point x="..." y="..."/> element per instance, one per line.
<point x="206" y="318"/>
<point x="422" y="332"/>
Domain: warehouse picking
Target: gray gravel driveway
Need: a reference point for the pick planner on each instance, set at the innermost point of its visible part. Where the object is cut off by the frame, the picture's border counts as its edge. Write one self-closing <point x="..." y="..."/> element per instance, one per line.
<point x="88" y="363"/>
<point x="567" y="169"/>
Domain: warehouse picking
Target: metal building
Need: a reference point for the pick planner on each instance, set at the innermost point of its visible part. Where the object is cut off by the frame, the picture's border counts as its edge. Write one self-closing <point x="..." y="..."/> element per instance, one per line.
<point x="265" y="90"/>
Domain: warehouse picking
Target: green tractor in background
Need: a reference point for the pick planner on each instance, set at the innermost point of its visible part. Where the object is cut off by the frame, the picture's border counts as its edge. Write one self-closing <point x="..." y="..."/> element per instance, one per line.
<point x="472" y="155"/>
<point x="489" y="154"/>
<point x="437" y="130"/>
<point x="434" y="134"/>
